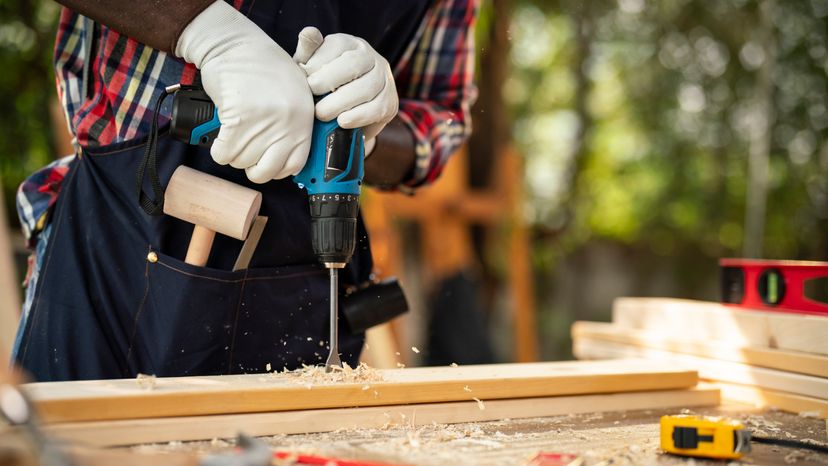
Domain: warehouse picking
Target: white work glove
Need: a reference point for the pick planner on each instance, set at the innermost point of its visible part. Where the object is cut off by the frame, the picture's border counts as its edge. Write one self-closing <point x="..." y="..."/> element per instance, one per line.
<point x="358" y="81"/>
<point x="263" y="99"/>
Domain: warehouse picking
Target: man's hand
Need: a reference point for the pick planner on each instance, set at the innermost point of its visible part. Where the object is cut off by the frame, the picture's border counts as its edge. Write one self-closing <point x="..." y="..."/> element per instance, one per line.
<point x="357" y="79"/>
<point x="263" y="98"/>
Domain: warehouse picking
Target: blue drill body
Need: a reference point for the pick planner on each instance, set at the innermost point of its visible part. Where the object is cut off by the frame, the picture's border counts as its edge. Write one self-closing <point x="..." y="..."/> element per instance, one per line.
<point x="332" y="174"/>
<point x="334" y="164"/>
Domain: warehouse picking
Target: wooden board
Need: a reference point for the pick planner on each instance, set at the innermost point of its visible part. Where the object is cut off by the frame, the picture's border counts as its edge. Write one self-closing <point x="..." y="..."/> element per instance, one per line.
<point x="724" y="371"/>
<point x="714" y="321"/>
<point x="764" y="398"/>
<point x="189" y="396"/>
<point x="134" y="431"/>
<point x="791" y="361"/>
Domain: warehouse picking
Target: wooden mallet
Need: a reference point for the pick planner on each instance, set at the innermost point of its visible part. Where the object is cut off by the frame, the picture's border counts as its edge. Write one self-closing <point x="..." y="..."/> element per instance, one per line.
<point x="212" y="205"/>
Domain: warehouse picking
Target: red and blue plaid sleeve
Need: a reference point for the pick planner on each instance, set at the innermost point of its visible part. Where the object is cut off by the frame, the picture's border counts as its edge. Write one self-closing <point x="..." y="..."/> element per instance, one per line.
<point x="434" y="82"/>
<point x="37" y="195"/>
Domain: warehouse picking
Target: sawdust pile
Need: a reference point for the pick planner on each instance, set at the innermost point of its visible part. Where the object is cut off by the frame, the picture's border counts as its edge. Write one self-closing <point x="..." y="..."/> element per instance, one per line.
<point x="494" y="443"/>
<point x="316" y="375"/>
<point x="146" y="382"/>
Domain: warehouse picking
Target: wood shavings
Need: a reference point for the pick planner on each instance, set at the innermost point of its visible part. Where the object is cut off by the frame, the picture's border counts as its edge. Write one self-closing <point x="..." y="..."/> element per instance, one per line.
<point x="764" y="424"/>
<point x="593" y="436"/>
<point x="317" y="375"/>
<point x="400" y="365"/>
<point x="813" y="442"/>
<point x="415" y="349"/>
<point x="220" y="443"/>
<point x="414" y="439"/>
<point x="145" y="381"/>
<point x="467" y="389"/>
<point x="267" y="367"/>
<point x="480" y="404"/>
<point x="810" y="414"/>
<point x="794" y="456"/>
<point x="454" y="364"/>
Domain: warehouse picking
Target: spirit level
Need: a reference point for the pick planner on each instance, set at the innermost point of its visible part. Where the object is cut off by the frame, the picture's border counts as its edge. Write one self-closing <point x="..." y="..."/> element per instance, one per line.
<point x="790" y="286"/>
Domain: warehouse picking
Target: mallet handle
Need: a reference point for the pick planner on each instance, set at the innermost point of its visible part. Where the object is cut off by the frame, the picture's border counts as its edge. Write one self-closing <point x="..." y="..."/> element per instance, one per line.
<point x="200" y="244"/>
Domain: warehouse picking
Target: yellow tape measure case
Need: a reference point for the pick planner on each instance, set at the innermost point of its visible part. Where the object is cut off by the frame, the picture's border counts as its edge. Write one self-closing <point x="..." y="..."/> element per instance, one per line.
<point x="710" y="437"/>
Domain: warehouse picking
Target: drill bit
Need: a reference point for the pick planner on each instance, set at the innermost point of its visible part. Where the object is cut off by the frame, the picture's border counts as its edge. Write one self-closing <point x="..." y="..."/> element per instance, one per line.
<point x="333" y="356"/>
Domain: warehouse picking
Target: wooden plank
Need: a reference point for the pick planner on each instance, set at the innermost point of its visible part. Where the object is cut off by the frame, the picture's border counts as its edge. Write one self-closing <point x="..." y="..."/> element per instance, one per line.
<point x="189" y="396"/>
<point x="764" y="398"/>
<point x="791" y="361"/>
<point x="708" y="320"/>
<point x="134" y="431"/>
<point x="724" y="371"/>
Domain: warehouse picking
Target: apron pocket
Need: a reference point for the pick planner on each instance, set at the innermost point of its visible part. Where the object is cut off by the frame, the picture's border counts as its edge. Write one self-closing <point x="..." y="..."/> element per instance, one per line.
<point x="184" y="324"/>
<point x="203" y="321"/>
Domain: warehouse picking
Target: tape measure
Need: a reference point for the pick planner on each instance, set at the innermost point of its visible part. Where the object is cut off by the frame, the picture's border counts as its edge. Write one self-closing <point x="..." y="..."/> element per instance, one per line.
<point x="717" y="437"/>
<point x="708" y="437"/>
<point x="789" y="286"/>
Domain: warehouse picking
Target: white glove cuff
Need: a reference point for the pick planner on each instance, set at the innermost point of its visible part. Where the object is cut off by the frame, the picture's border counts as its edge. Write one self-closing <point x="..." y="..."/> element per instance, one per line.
<point x="215" y="30"/>
<point x="369" y="146"/>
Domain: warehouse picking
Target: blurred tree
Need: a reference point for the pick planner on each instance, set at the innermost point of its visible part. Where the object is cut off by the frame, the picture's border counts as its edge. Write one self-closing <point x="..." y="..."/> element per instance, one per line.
<point x="27" y="29"/>
<point x="655" y="106"/>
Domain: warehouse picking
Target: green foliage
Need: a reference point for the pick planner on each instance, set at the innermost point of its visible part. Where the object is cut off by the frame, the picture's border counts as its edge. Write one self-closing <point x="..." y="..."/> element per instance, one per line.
<point x="27" y="31"/>
<point x="671" y="90"/>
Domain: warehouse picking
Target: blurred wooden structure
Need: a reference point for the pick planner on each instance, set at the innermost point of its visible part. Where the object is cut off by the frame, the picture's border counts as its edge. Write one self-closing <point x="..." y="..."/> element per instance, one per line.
<point x="444" y="213"/>
<point x="9" y="286"/>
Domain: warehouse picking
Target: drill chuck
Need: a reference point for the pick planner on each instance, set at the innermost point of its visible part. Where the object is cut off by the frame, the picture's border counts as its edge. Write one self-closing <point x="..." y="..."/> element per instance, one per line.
<point x="333" y="227"/>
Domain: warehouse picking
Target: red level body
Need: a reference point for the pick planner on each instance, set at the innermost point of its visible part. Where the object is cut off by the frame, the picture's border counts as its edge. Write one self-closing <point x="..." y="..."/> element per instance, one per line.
<point x="789" y="286"/>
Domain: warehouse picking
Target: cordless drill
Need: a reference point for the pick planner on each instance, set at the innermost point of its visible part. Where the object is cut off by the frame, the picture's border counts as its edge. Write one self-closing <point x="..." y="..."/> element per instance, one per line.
<point x="332" y="177"/>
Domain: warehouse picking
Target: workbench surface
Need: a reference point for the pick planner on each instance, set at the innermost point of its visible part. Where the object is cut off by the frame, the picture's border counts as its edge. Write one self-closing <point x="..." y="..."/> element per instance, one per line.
<point x="625" y="438"/>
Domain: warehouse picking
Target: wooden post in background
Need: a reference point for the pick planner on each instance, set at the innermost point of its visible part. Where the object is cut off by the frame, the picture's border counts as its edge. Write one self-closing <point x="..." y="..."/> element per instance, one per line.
<point x="9" y="286"/>
<point x="521" y="279"/>
<point x="444" y="212"/>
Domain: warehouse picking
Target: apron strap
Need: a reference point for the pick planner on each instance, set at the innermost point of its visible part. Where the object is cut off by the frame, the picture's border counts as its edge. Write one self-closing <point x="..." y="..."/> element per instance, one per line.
<point x="152" y="206"/>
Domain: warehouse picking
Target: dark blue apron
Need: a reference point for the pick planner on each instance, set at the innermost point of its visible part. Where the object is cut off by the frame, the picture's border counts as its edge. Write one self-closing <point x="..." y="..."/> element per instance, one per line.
<point x="115" y="298"/>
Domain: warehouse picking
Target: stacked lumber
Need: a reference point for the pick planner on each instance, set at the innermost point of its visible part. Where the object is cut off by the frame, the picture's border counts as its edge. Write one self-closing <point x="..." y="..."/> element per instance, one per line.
<point x="128" y="411"/>
<point x="768" y="359"/>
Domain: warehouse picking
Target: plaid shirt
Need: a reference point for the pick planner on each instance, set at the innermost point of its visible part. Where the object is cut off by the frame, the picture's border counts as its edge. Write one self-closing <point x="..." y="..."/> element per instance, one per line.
<point x="433" y="78"/>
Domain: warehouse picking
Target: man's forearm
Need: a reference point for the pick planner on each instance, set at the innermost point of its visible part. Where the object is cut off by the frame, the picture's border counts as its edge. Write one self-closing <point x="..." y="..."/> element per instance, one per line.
<point x="157" y="23"/>
<point x="392" y="160"/>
